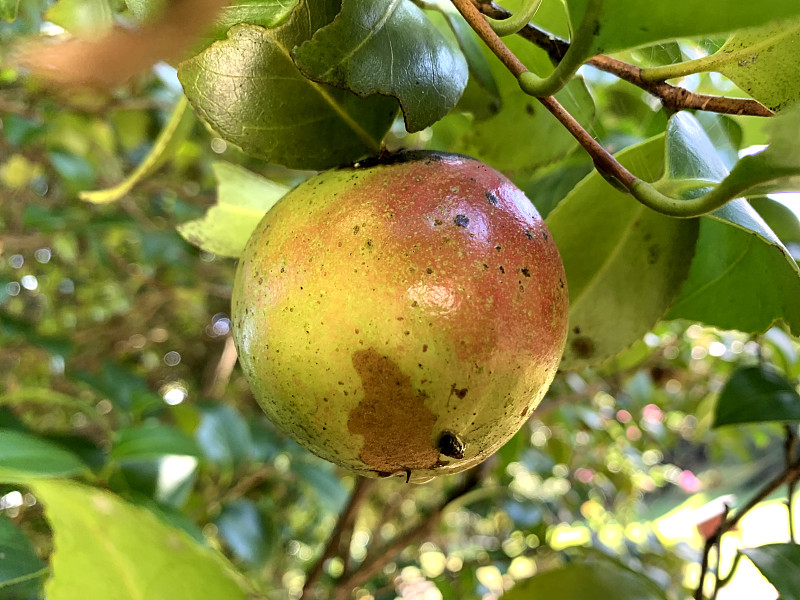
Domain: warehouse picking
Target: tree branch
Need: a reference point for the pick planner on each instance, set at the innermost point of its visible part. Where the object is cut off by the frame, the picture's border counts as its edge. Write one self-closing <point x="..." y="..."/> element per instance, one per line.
<point x="672" y="97"/>
<point x="375" y="561"/>
<point x="360" y="492"/>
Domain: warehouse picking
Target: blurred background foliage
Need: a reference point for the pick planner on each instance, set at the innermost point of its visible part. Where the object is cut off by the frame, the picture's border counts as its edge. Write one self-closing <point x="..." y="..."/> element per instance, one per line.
<point x="115" y="351"/>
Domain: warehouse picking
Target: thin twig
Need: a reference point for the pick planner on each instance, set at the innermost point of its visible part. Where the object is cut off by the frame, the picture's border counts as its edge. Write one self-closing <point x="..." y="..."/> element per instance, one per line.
<point x="790" y="447"/>
<point x="375" y="561"/>
<point x="672" y="97"/>
<point x="790" y="474"/>
<point x="360" y="492"/>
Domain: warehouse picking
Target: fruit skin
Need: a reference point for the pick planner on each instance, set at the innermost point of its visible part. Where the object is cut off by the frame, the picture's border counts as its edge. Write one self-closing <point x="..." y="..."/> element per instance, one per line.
<point x="402" y="316"/>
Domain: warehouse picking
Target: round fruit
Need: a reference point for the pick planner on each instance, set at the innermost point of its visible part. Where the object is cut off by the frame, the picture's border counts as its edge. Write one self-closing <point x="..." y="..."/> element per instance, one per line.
<point x="403" y="316"/>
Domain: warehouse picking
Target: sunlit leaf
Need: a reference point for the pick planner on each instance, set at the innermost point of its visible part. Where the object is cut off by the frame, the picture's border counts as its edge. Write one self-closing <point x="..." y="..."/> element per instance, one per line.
<point x="8" y="9"/>
<point x="388" y="47"/>
<point x="128" y="551"/>
<point x="778" y="563"/>
<point x="586" y="581"/>
<point x="248" y="89"/>
<point x="631" y="23"/>
<point x="243" y="198"/>
<point x="757" y="395"/>
<point x="84" y="18"/>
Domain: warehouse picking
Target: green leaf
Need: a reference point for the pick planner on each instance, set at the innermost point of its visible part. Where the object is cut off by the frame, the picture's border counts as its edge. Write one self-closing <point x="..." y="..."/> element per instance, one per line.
<point x="621" y="259"/>
<point x="586" y="581"/>
<point x="267" y="13"/>
<point x="623" y="24"/>
<point x="223" y="436"/>
<point x="781" y="219"/>
<point x="8" y="9"/>
<point x="22" y="454"/>
<point x="243" y="198"/>
<point x="763" y="62"/>
<point x="742" y="277"/>
<point x="757" y="395"/>
<point x="388" y="47"/>
<point x="21" y="570"/>
<point x="128" y="552"/>
<point x="151" y="441"/>
<point x="84" y="18"/>
<point x="523" y="136"/>
<point x="778" y="563"/>
<point x="248" y="89"/>
<point x="242" y="527"/>
<point x="178" y="126"/>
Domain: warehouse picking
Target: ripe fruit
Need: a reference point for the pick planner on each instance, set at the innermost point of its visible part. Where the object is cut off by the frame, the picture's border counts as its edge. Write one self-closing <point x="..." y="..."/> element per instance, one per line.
<point x="403" y="316"/>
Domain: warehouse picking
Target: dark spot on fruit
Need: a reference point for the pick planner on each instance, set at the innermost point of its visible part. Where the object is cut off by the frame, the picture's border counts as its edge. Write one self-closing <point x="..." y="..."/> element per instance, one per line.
<point x="583" y="347"/>
<point x="577" y="330"/>
<point x="561" y="283"/>
<point x="485" y="266"/>
<point x="450" y="445"/>
<point x="524" y="412"/>
<point x="414" y="304"/>
<point x="526" y="271"/>
<point x="652" y="254"/>
<point x="461" y="220"/>
<point x="498" y="248"/>
<point x="437" y="222"/>
<point x="392" y="417"/>
<point x="357" y="331"/>
<point x="406" y="333"/>
<point x="490" y="196"/>
<point x="424" y="347"/>
<point x="429" y="270"/>
<point x="356" y="229"/>
<point x="529" y="109"/>
<point x="459" y="393"/>
<point x="528" y="234"/>
<point x="544" y="235"/>
<point x="502" y="270"/>
<point x="369" y="243"/>
<point x="260" y="280"/>
<point x="473" y="180"/>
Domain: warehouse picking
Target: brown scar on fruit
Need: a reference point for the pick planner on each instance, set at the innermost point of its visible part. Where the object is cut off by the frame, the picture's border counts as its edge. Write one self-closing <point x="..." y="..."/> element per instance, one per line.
<point x="396" y="425"/>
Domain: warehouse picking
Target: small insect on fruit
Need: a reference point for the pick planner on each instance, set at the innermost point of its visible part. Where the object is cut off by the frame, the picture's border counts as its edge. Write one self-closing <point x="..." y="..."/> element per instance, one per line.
<point x="403" y="316"/>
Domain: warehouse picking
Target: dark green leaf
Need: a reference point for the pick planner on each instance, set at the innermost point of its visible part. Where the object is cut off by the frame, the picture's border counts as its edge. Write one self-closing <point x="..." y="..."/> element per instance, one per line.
<point x="322" y="478"/>
<point x="24" y="454"/>
<point x="631" y="23"/>
<point x="586" y="581"/>
<point x="621" y="259"/>
<point x="129" y="552"/>
<point x="757" y="395"/>
<point x="243" y="198"/>
<point x="778" y="563"/>
<point x="249" y="90"/>
<point x="388" y="47"/>
<point x="780" y="218"/>
<point x="742" y="277"/>
<point x="122" y="386"/>
<point x="21" y="570"/>
<point x="152" y="440"/>
<point x="241" y="526"/>
<point x="223" y="436"/>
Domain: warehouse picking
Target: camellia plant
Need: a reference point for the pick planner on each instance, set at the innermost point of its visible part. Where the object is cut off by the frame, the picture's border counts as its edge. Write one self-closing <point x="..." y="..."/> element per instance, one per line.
<point x="538" y="258"/>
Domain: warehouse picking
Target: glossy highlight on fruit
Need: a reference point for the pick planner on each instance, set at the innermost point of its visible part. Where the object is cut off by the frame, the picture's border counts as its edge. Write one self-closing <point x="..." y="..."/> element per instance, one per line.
<point x="403" y="316"/>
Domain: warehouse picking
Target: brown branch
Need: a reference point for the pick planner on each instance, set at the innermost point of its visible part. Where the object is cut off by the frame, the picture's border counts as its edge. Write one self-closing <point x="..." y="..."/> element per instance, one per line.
<point x="789" y="475"/>
<point x="672" y="97"/>
<point x="376" y="561"/>
<point x="360" y="492"/>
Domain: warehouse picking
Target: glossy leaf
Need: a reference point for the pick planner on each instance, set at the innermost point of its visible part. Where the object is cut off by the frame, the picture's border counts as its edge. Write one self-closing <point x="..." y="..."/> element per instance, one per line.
<point x="242" y="527"/>
<point x="742" y="277"/>
<point x="621" y="259"/>
<point x="248" y="89"/>
<point x="586" y="581"/>
<point x="388" y="47"/>
<point x="267" y="13"/>
<point x="8" y="9"/>
<point x="22" y="454"/>
<point x="783" y="221"/>
<point x="624" y="24"/>
<point x="152" y="441"/>
<point x="223" y="436"/>
<point x="243" y="198"/>
<point x="778" y="563"/>
<point x="757" y="395"/>
<point x="126" y="549"/>
<point x="20" y="568"/>
<point x="523" y="124"/>
<point x="763" y="62"/>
